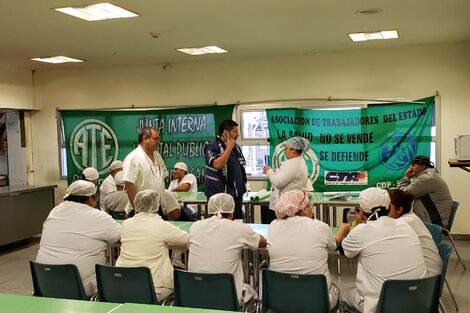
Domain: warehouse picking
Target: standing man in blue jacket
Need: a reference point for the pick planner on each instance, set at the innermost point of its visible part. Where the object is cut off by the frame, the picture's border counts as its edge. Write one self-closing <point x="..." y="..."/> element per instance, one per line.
<point x="225" y="166"/>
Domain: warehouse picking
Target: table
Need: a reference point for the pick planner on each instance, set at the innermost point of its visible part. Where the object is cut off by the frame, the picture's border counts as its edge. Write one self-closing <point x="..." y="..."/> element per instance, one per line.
<point x="23" y="210"/>
<point x="148" y="308"/>
<point x="461" y="164"/>
<point x="198" y="198"/>
<point x="30" y="304"/>
<point x="262" y="229"/>
<point x="321" y="202"/>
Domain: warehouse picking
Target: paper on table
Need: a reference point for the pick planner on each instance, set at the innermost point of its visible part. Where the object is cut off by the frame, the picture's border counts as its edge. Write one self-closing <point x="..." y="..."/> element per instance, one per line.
<point x="260" y="195"/>
<point x="340" y="193"/>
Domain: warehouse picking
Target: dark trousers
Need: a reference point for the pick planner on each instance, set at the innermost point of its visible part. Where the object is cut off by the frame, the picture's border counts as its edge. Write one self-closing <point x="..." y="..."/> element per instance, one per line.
<point x="238" y="213"/>
<point x="267" y="215"/>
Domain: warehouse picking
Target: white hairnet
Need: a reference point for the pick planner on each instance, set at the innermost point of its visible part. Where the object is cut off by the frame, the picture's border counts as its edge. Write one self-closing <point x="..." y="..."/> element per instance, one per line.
<point x="80" y="188"/>
<point x="298" y="143"/>
<point x="147" y="201"/>
<point x="115" y="165"/>
<point x="91" y="173"/>
<point x="221" y="203"/>
<point x="372" y="198"/>
<point x="181" y="166"/>
<point x="118" y="178"/>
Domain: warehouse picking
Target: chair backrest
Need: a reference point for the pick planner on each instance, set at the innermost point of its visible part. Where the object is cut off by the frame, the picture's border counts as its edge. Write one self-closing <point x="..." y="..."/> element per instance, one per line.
<point x="453" y="211"/>
<point x="118" y="215"/>
<point x="203" y="290"/>
<point x="410" y="296"/>
<point x="125" y="284"/>
<point x="445" y="250"/>
<point x="294" y="293"/>
<point x="57" y="281"/>
<point x="436" y="232"/>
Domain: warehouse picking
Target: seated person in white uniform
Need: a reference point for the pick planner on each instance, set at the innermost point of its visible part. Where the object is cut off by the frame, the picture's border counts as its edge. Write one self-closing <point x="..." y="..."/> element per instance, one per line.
<point x="387" y="249"/>
<point x="145" y="239"/>
<point x="91" y="174"/>
<point x="216" y="243"/>
<point x="109" y="183"/>
<point x="298" y="244"/>
<point x="117" y="200"/>
<point x="183" y="182"/>
<point x="401" y="208"/>
<point x="76" y="233"/>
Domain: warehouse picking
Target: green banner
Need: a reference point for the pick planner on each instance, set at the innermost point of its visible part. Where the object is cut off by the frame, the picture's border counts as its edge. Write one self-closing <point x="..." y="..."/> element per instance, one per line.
<point x="356" y="148"/>
<point x="97" y="138"/>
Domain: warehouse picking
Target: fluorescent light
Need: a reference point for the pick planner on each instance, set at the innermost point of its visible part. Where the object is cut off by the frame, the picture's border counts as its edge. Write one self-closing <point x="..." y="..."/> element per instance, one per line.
<point x="389" y="34"/>
<point x="374" y="36"/>
<point x="97" y="12"/>
<point x="378" y="35"/>
<point x="202" y="50"/>
<point x="56" y="59"/>
<point x="358" y="37"/>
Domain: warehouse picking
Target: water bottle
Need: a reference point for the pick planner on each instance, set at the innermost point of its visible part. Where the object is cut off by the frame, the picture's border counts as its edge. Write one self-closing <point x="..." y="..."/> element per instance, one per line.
<point x="351" y="216"/>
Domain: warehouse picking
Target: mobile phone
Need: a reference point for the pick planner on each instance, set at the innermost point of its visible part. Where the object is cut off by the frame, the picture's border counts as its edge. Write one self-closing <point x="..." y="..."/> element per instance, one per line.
<point x="226" y="134"/>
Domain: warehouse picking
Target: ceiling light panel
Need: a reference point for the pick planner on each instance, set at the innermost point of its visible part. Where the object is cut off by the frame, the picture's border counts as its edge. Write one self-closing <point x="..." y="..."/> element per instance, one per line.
<point x="202" y="50"/>
<point x="378" y="35"/>
<point x="57" y="59"/>
<point x="97" y="12"/>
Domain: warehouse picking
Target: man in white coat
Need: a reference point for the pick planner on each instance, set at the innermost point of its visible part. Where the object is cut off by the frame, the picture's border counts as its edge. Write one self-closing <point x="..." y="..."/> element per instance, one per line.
<point x="76" y="233"/>
<point x="144" y="169"/>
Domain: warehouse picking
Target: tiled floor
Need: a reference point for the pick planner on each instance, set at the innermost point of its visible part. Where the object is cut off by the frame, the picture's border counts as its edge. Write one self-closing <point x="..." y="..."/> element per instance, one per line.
<point x="15" y="277"/>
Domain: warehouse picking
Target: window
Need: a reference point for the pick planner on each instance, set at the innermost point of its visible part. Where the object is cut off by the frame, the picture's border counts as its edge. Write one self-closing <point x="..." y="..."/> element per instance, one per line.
<point x="62" y="150"/>
<point x="254" y="142"/>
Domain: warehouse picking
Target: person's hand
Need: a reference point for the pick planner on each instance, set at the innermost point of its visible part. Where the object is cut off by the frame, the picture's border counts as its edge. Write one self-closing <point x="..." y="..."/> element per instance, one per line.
<point x="266" y="168"/>
<point x="344" y="228"/>
<point x="409" y="172"/>
<point x="230" y="143"/>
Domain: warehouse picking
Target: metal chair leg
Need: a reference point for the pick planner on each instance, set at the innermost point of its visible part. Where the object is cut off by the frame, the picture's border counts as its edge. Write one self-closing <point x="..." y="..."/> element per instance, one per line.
<point x="451" y="295"/>
<point x="456" y="251"/>
<point x="441" y="307"/>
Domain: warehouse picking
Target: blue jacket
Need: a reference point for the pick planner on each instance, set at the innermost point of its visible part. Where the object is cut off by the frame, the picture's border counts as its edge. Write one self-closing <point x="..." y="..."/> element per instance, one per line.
<point x="232" y="178"/>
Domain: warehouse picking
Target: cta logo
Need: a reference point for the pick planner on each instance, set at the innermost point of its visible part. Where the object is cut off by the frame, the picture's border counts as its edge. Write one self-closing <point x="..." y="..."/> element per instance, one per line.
<point x="93" y="143"/>
<point x="346" y="178"/>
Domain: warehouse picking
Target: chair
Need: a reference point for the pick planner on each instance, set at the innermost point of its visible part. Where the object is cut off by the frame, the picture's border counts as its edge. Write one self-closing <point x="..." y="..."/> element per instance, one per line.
<point x="293" y="293"/>
<point x="57" y="281"/>
<point x="445" y="250"/>
<point x="436" y="232"/>
<point x="125" y="284"/>
<point x="118" y="215"/>
<point x="410" y="296"/>
<point x="203" y="290"/>
<point x="446" y="230"/>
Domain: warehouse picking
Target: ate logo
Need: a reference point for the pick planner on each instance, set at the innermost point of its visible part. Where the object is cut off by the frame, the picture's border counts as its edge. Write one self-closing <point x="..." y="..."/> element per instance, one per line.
<point x="93" y="144"/>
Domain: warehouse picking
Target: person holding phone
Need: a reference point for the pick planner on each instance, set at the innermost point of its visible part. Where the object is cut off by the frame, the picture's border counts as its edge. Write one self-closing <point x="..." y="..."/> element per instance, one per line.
<point x="292" y="174"/>
<point x="433" y="201"/>
<point x="225" y="166"/>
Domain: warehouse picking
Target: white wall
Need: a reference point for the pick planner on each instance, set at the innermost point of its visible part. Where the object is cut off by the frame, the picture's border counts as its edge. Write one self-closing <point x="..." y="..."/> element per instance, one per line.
<point x="16" y="88"/>
<point x="416" y="71"/>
